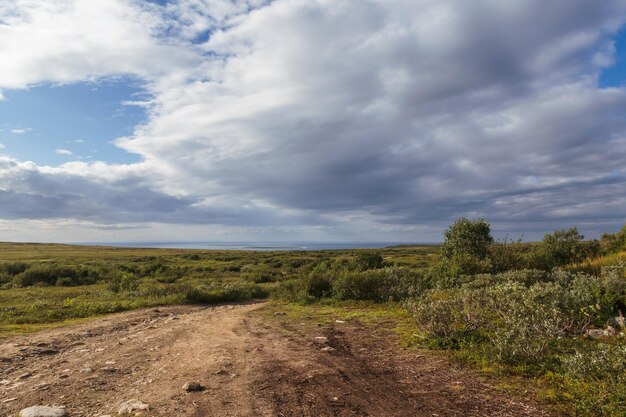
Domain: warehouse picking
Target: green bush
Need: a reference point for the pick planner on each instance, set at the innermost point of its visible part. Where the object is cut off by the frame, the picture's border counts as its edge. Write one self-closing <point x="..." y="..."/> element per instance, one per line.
<point x="211" y="294"/>
<point x="506" y="255"/>
<point x="529" y="322"/>
<point x="56" y="274"/>
<point x="367" y="260"/>
<point x="126" y="282"/>
<point x="613" y="242"/>
<point x="559" y="248"/>
<point x="381" y="285"/>
<point x="598" y="362"/>
<point x="450" y="315"/>
<point x="13" y="268"/>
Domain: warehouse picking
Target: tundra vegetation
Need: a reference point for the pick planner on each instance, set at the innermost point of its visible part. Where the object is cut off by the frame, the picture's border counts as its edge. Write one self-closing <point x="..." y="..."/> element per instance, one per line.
<point x="549" y="312"/>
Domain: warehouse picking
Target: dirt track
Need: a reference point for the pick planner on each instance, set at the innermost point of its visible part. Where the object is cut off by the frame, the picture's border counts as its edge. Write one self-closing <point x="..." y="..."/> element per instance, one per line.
<point x="250" y="366"/>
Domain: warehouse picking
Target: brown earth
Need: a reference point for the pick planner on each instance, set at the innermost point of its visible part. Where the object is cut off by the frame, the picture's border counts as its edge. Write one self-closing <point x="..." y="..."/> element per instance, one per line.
<point x="250" y="364"/>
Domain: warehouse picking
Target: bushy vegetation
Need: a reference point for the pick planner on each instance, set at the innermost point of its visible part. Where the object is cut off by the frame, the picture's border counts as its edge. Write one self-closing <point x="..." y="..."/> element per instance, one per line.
<point x="503" y="305"/>
<point x="44" y="284"/>
<point x="527" y="308"/>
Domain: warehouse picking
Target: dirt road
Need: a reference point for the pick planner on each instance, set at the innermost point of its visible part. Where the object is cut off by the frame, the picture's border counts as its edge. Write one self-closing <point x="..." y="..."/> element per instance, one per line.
<point x="249" y="366"/>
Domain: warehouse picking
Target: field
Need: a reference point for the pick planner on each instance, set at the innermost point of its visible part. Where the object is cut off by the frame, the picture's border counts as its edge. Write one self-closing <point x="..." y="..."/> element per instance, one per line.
<point x="44" y="285"/>
<point x="509" y="328"/>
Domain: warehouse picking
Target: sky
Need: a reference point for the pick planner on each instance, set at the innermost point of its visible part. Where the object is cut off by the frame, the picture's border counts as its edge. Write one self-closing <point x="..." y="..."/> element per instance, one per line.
<point x="309" y="120"/>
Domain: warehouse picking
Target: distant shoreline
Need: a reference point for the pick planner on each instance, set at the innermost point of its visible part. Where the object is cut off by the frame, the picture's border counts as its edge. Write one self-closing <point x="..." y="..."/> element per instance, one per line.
<point x="257" y="246"/>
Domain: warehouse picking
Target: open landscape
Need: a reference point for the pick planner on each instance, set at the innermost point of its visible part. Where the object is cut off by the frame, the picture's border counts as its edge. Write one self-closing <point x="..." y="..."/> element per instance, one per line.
<point x="470" y="327"/>
<point x="312" y="208"/>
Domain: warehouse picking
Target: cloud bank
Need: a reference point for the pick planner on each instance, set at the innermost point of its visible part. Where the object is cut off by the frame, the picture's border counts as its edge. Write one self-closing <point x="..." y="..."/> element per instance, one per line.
<point x="390" y="118"/>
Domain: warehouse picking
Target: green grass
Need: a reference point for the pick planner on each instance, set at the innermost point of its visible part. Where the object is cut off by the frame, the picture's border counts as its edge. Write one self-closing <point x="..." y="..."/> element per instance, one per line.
<point x="130" y="278"/>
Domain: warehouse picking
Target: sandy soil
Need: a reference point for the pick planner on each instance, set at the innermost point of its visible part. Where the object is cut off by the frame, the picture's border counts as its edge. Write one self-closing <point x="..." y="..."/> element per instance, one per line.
<point x="249" y="366"/>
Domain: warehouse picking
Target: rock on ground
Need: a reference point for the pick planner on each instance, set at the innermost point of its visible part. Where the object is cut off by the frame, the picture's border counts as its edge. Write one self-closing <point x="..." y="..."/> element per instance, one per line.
<point x="193" y="386"/>
<point x="43" y="411"/>
<point x="133" y="407"/>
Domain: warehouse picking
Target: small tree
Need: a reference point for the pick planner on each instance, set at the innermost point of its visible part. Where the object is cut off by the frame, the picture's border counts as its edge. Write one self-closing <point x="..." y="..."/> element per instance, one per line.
<point x="613" y="242"/>
<point x="464" y="251"/>
<point x="562" y="247"/>
<point x="467" y="238"/>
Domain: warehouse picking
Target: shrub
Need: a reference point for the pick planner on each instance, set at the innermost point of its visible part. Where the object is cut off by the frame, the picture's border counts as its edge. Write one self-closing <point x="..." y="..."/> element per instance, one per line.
<point x="57" y="274"/>
<point x="506" y="255"/>
<point x="613" y="242"/>
<point x="599" y="362"/>
<point x="311" y="287"/>
<point x="368" y="260"/>
<point x="127" y="282"/>
<point x="560" y="248"/>
<point x="530" y="321"/>
<point x="450" y="315"/>
<point x="381" y="285"/>
<point x="13" y="268"/>
<point x="210" y="294"/>
<point x="466" y="237"/>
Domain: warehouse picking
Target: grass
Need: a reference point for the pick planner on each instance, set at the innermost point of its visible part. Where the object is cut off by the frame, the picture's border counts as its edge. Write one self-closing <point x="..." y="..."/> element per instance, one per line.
<point x="327" y="312"/>
<point x="130" y="278"/>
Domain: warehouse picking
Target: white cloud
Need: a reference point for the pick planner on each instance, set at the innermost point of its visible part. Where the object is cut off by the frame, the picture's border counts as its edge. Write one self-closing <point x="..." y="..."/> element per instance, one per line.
<point x="386" y="115"/>
<point x="73" y="40"/>
<point x="63" y="152"/>
<point x="20" y="131"/>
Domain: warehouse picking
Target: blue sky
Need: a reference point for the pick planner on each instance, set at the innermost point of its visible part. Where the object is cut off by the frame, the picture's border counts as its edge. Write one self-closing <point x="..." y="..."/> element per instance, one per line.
<point x="310" y="120"/>
<point x="83" y="118"/>
<point x="615" y="76"/>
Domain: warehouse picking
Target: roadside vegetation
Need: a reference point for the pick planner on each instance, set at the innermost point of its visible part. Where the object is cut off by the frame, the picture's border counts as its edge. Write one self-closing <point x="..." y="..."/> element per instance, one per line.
<point x="47" y="285"/>
<point x="550" y="311"/>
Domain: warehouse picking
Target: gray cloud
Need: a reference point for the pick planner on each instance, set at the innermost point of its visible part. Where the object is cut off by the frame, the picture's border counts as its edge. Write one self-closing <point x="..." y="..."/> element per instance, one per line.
<point x="397" y="113"/>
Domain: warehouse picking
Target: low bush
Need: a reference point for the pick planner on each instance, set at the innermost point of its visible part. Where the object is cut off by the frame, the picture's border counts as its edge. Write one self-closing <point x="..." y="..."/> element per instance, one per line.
<point x="380" y="285"/>
<point x="367" y="260"/>
<point x="450" y="316"/>
<point x="56" y="274"/>
<point x="211" y="294"/>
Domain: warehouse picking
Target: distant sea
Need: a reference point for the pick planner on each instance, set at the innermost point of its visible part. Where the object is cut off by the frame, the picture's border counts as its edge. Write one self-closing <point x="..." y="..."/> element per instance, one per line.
<point x="256" y="246"/>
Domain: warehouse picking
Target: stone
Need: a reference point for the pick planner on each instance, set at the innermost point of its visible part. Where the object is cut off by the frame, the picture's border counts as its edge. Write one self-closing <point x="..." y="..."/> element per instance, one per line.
<point x="133" y="407"/>
<point x="322" y="340"/>
<point x="609" y="331"/>
<point x="595" y="333"/>
<point x="327" y="349"/>
<point x="222" y="372"/>
<point x="43" y="411"/>
<point x="193" y="386"/>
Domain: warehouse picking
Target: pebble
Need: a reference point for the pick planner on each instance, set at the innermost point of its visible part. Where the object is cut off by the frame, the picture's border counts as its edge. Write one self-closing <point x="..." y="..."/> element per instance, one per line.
<point x="43" y="411"/>
<point x="327" y="349"/>
<point x="192" y="386"/>
<point x="133" y="407"/>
